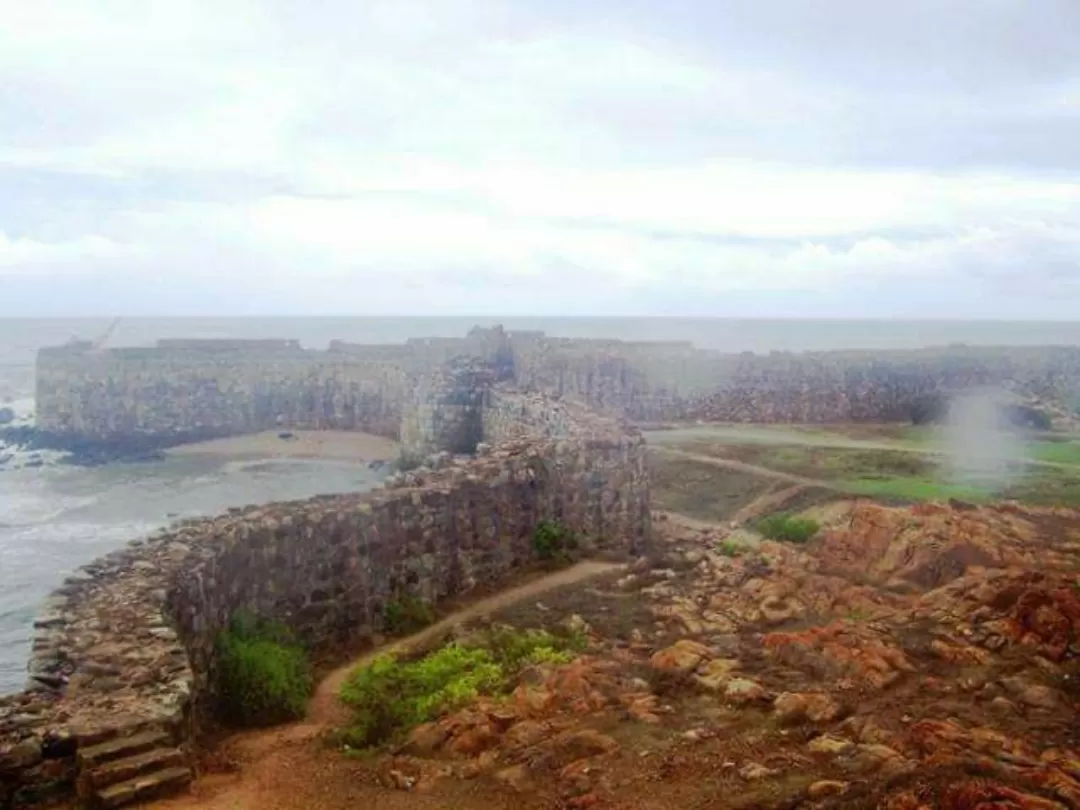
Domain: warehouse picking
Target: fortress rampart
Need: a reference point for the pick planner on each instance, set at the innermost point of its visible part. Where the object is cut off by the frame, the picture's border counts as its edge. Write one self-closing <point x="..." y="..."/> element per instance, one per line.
<point x="187" y="390"/>
<point x="124" y="657"/>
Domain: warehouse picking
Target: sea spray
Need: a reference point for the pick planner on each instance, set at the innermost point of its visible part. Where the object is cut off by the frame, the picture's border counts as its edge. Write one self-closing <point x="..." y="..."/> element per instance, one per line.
<point x="981" y="447"/>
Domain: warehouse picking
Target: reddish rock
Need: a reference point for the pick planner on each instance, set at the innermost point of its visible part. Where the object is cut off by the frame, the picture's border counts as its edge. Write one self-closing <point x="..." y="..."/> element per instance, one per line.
<point x="743" y="690"/>
<point x="526" y="733"/>
<point x="714" y="675"/>
<point x="584" y="801"/>
<point x="681" y="658"/>
<point x="426" y="739"/>
<point x="474" y="740"/>
<point x="516" y="777"/>
<point x="582" y="743"/>
<point x="825" y="788"/>
<point x="796" y="707"/>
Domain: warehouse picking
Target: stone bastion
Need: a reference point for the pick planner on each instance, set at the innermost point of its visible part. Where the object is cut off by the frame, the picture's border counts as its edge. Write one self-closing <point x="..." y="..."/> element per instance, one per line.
<point x="124" y="655"/>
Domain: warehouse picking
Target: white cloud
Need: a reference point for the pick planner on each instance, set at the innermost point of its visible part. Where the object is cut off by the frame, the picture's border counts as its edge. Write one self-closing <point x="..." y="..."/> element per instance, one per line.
<point x="22" y="255"/>
<point x="426" y="145"/>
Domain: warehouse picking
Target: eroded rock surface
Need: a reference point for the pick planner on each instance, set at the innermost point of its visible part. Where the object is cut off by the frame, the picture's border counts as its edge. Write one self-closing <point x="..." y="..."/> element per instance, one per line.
<point x="932" y="662"/>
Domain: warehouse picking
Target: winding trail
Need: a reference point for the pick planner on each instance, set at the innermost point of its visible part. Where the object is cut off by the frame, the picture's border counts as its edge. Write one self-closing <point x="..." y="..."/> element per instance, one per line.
<point x="742" y="466"/>
<point x="326" y="710"/>
<point x="667" y="440"/>
<point x="285" y="768"/>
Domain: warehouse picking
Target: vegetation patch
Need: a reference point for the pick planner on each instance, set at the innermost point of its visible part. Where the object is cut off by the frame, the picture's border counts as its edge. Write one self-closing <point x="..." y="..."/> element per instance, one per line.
<point x="915" y="489"/>
<point x="729" y="548"/>
<point x="389" y="695"/>
<point x="825" y="463"/>
<point x="407" y="614"/>
<point x="787" y="528"/>
<point x="1047" y="486"/>
<point x="702" y="490"/>
<point x="264" y="676"/>
<point x="553" y="542"/>
<point x="1056" y="452"/>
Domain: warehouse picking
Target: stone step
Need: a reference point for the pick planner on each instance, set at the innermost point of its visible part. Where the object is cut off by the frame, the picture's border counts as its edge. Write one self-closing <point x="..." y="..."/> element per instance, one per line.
<point x="122" y="770"/>
<point x="144" y="788"/>
<point x="121" y="747"/>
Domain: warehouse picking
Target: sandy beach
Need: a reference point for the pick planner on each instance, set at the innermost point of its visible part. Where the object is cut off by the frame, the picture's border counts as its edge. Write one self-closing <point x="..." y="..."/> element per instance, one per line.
<point x="339" y="445"/>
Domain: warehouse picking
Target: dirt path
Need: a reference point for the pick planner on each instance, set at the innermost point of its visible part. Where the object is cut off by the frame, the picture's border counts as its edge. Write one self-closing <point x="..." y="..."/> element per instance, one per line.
<point x="769" y="502"/>
<point x="662" y="440"/>
<point x="326" y="710"/>
<point x="284" y="768"/>
<point x="742" y="466"/>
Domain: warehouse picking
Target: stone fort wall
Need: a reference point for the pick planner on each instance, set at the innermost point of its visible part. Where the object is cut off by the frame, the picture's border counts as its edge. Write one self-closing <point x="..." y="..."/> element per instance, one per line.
<point x="127" y="644"/>
<point x="185" y="390"/>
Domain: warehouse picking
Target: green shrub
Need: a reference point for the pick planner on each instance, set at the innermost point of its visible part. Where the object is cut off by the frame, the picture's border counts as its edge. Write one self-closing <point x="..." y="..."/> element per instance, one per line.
<point x="788" y="528"/>
<point x="389" y="696"/>
<point x="407" y="614"/>
<point x="730" y="549"/>
<point x="514" y="649"/>
<point x="263" y="674"/>
<point x="553" y="542"/>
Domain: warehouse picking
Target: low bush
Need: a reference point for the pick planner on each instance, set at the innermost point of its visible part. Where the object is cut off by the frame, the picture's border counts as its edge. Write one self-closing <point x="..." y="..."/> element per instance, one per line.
<point x="729" y="548"/>
<point x="553" y="542"/>
<point x="264" y="676"/>
<point x="407" y="614"/>
<point x="788" y="528"/>
<point x="389" y="696"/>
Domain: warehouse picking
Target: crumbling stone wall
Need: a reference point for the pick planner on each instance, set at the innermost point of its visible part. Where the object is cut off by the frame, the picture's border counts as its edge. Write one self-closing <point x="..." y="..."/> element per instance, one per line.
<point x="176" y="394"/>
<point x="670" y="382"/>
<point x="186" y="390"/>
<point x="127" y="643"/>
<point x="443" y="413"/>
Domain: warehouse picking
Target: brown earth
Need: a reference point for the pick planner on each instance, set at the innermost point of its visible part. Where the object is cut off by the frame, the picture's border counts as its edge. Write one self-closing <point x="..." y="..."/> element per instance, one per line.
<point x="906" y="658"/>
<point x="339" y="445"/>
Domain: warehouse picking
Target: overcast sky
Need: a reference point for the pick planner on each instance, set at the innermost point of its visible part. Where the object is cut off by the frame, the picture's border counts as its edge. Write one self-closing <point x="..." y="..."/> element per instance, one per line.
<point x="729" y="157"/>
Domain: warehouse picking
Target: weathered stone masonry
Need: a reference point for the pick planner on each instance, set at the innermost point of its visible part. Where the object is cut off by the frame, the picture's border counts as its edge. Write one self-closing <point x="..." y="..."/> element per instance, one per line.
<point x="125" y="652"/>
<point x="184" y="390"/>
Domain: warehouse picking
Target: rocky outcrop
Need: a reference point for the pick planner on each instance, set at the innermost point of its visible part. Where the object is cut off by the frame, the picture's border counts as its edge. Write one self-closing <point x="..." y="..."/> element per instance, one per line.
<point x="840" y="673"/>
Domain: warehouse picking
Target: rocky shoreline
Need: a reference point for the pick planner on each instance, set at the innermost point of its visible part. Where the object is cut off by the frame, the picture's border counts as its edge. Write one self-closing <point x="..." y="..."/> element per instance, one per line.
<point x="38" y="447"/>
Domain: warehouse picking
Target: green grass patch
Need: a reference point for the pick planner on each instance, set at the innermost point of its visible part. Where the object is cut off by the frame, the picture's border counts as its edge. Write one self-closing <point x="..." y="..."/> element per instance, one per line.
<point x="389" y="696"/>
<point x="553" y="542"/>
<point x="787" y="528"/>
<point x="914" y="489"/>
<point x="407" y="614"/>
<point x="1067" y="452"/>
<point x="824" y="463"/>
<point x="701" y="490"/>
<point x="730" y="549"/>
<point x="1047" y="487"/>
<point x="264" y="676"/>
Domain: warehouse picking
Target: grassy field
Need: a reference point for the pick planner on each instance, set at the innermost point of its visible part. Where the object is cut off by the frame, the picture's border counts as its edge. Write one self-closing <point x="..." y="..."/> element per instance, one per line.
<point x="1056" y="452"/>
<point x="893" y="463"/>
<point x="702" y="490"/>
